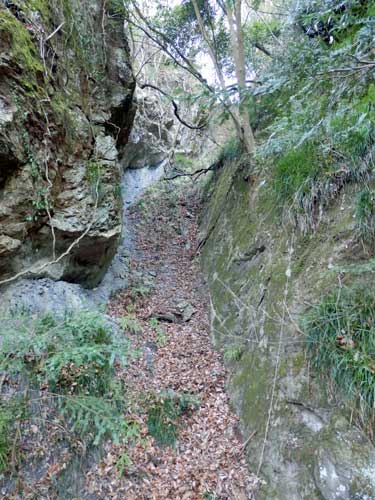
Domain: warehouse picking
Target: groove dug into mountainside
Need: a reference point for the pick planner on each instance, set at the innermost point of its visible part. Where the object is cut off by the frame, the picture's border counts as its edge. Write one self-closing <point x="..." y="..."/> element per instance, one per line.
<point x="176" y="360"/>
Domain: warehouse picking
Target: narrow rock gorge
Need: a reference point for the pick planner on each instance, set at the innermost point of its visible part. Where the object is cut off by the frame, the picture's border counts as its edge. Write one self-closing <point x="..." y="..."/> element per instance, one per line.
<point x="187" y="235"/>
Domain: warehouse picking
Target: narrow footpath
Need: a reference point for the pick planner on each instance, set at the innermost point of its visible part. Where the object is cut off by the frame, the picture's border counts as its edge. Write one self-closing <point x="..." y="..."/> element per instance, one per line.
<point x="199" y="451"/>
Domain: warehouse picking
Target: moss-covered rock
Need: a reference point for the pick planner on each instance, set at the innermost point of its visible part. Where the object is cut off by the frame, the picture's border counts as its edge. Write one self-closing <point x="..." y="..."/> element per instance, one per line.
<point x="60" y="97"/>
<point x="262" y="277"/>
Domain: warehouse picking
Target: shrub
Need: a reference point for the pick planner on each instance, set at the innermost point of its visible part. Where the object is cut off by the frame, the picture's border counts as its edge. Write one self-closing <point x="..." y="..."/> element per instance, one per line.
<point x="73" y="360"/>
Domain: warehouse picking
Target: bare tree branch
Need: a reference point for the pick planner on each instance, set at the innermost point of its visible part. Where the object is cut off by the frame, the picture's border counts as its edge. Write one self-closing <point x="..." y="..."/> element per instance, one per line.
<point x="263" y="49"/>
<point x="197" y="173"/>
<point x="175" y="107"/>
<point x="164" y="42"/>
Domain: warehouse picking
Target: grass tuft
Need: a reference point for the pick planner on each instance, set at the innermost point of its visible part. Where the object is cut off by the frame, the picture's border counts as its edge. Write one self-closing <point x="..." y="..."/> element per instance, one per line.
<point x="365" y="216"/>
<point x="131" y="324"/>
<point x="234" y="353"/>
<point x="341" y="339"/>
<point x="231" y="151"/>
<point x="73" y="362"/>
<point x="163" y="415"/>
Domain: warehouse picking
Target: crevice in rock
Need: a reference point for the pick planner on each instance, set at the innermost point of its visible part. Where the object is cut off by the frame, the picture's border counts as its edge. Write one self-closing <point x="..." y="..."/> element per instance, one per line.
<point x="7" y="167"/>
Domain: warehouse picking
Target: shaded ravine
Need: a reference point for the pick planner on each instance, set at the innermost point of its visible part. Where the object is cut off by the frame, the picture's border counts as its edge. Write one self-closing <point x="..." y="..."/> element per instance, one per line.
<point x="45" y="295"/>
<point x="158" y="246"/>
<point x="177" y="358"/>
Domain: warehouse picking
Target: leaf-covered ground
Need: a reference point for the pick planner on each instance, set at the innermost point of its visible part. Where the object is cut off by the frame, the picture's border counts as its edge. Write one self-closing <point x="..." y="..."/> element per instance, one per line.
<point x="176" y="358"/>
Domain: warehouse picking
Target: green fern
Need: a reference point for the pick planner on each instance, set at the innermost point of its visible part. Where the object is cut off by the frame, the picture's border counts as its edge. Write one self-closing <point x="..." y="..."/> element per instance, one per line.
<point x="163" y="415"/>
<point x="161" y="338"/>
<point x="73" y="359"/>
<point x="131" y="324"/>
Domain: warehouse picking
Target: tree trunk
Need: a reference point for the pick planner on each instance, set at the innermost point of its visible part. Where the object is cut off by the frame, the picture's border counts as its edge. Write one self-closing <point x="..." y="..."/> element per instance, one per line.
<point x="238" y="52"/>
<point x="235" y="115"/>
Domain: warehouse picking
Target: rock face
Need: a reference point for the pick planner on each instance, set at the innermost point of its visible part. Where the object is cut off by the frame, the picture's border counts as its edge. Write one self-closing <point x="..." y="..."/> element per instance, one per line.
<point x="66" y="111"/>
<point x="157" y="134"/>
<point x="152" y="136"/>
<point x="262" y="276"/>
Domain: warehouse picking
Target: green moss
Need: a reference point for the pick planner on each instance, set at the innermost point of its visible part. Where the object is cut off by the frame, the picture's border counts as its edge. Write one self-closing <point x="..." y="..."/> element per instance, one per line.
<point x="183" y="160"/>
<point x="41" y="6"/>
<point x="299" y="362"/>
<point x="64" y="116"/>
<point x="252" y="381"/>
<point x="283" y="368"/>
<point x="22" y="46"/>
<point x="85" y="40"/>
<point x="94" y="171"/>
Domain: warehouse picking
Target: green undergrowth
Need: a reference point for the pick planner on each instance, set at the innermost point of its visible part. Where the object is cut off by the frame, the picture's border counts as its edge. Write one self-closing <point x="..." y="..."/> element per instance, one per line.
<point x="131" y="324"/>
<point x="341" y="338"/>
<point x="12" y="411"/>
<point x="230" y="151"/>
<point x="316" y="111"/>
<point x="6" y="431"/>
<point x="133" y="297"/>
<point x="70" y="365"/>
<point x="161" y="338"/>
<point x="295" y="169"/>
<point x="234" y="353"/>
<point x="164" y="412"/>
<point x="365" y="216"/>
<point x="183" y="161"/>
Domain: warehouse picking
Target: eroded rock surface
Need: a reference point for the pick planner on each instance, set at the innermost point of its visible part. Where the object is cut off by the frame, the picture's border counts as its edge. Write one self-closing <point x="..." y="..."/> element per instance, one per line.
<point x="66" y="110"/>
<point x="262" y="277"/>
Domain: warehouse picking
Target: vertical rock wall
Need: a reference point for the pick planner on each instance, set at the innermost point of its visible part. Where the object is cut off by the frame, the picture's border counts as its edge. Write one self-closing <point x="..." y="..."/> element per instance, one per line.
<point x="66" y="111"/>
<point x="262" y="277"/>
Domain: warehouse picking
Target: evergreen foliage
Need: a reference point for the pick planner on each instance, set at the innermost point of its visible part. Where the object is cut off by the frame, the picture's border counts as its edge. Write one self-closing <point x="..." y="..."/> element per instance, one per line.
<point x="71" y="362"/>
<point x="317" y="104"/>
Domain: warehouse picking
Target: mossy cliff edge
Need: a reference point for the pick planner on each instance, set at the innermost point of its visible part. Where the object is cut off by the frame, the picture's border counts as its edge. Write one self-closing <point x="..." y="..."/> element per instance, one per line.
<point x="263" y="278"/>
<point x="66" y="110"/>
